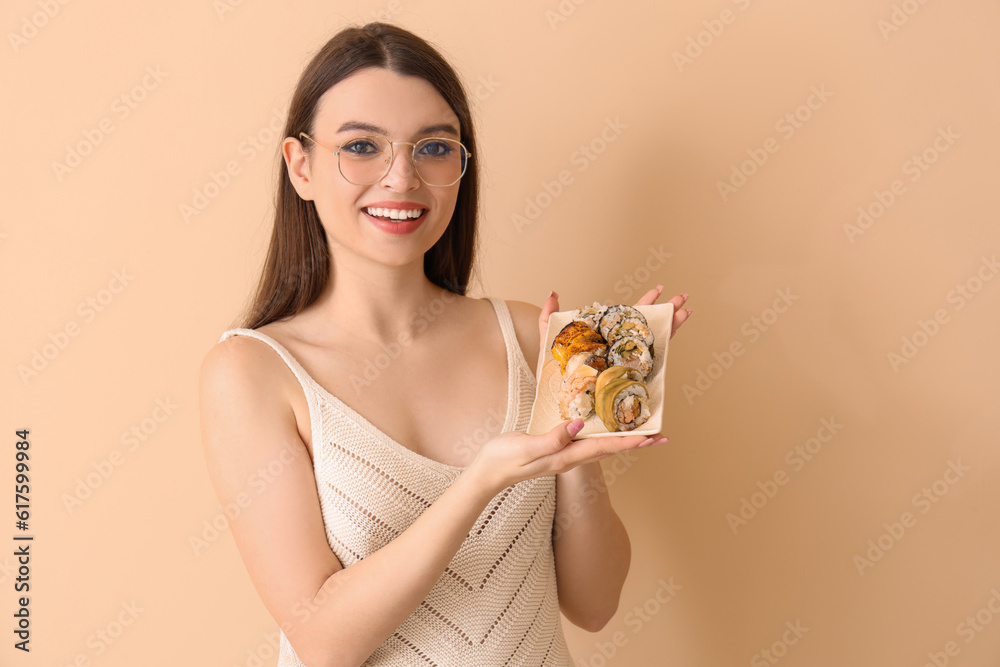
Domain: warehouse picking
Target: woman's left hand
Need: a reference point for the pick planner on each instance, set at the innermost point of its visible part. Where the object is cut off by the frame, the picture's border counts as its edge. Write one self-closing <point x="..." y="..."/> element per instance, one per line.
<point x="551" y="305"/>
<point x="680" y="316"/>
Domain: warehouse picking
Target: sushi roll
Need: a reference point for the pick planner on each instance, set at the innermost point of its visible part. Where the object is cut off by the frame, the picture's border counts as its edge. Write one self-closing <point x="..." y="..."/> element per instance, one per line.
<point x="574" y="338"/>
<point x="614" y="373"/>
<point x="596" y="361"/>
<point x="634" y="328"/>
<point x="615" y="314"/>
<point x="631" y="352"/>
<point x="591" y="315"/>
<point x="576" y="394"/>
<point x="623" y="404"/>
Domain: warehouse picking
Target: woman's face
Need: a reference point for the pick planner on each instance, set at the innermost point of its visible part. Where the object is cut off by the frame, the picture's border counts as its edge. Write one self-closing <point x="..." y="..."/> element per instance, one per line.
<point x="370" y="102"/>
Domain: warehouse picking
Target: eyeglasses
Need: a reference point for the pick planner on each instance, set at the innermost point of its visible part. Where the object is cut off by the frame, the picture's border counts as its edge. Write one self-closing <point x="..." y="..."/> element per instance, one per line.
<point x="438" y="162"/>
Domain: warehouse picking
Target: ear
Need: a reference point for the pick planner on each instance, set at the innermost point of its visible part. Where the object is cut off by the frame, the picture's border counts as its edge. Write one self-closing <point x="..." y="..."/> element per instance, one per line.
<point x="297" y="163"/>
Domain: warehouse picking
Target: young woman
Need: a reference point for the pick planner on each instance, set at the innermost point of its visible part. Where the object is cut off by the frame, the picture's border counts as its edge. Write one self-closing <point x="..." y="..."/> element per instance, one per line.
<point x="368" y="417"/>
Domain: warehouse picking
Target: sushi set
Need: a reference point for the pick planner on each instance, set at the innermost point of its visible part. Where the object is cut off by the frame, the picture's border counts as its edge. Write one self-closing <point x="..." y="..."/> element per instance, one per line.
<point x="604" y="364"/>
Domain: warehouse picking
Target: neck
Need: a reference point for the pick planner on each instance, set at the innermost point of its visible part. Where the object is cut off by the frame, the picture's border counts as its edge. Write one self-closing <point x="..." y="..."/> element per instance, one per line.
<point x="377" y="302"/>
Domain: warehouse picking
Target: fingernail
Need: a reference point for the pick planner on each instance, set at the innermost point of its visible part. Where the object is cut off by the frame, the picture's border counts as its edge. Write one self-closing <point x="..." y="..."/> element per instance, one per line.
<point x="574" y="427"/>
<point x="689" y="311"/>
<point x="659" y="288"/>
<point x="553" y="293"/>
<point x="684" y="295"/>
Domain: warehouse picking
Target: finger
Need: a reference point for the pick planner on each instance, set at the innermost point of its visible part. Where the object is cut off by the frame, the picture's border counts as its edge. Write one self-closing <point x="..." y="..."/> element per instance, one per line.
<point x="679" y="301"/>
<point x="550" y="306"/>
<point x="680" y="317"/>
<point x="558" y="437"/>
<point x="650" y="297"/>
<point x="587" y="450"/>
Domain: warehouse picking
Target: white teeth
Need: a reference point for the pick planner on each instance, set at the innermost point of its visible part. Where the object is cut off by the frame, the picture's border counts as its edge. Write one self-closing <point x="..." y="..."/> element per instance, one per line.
<point x="395" y="213"/>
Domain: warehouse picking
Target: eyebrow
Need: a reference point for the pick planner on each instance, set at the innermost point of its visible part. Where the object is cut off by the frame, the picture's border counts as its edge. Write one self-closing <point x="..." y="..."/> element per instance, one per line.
<point x="356" y="125"/>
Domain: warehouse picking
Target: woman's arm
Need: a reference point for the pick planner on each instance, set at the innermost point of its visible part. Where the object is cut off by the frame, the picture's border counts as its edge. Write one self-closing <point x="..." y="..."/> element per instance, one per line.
<point x="592" y="549"/>
<point x="591" y="546"/>
<point x="331" y="615"/>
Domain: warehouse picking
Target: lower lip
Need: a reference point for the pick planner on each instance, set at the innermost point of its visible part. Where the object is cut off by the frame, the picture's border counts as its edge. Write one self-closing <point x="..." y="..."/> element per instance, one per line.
<point x="398" y="228"/>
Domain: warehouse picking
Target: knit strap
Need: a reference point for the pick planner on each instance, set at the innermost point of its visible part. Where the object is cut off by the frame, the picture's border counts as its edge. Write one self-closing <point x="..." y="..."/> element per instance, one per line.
<point x="304" y="378"/>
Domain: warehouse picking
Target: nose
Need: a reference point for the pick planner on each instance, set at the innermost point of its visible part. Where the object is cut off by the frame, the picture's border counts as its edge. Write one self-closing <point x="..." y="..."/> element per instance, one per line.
<point x="402" y="174"/>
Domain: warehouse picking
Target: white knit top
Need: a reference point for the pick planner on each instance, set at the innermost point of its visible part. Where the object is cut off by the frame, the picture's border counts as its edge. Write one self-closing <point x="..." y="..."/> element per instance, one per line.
<point x="496" y="603"/>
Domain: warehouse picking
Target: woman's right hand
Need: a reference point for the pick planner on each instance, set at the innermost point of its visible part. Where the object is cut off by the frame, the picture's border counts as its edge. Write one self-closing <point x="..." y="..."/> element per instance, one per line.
<point x="515" y="456"/>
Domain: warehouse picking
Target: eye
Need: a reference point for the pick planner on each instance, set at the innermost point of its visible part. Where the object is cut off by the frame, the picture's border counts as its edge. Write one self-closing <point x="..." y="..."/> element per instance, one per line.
<point x="363" y="146"/>
<point x="437" y="148"/>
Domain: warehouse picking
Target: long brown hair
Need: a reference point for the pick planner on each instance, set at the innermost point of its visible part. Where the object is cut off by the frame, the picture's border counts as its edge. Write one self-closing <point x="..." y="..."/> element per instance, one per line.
<point x="297" y="265"/>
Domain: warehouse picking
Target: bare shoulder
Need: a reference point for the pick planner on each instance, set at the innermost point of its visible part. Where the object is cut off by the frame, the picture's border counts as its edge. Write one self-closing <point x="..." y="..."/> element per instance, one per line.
<point x="524" y="314"/>
<point x="233" y="356"/>
<point x="257" y="461"/>
<point x="525" y="317"/>
<point x="241" y="381"/>
<point x="240" y="367"/>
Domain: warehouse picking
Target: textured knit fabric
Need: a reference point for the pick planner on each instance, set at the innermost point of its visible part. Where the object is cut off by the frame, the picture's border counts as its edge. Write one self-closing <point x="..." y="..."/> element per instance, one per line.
<point x="496" y="603"/>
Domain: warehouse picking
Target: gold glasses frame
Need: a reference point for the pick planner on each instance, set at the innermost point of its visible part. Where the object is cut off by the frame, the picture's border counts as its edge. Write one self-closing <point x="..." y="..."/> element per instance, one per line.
<point x="392" y="157"/>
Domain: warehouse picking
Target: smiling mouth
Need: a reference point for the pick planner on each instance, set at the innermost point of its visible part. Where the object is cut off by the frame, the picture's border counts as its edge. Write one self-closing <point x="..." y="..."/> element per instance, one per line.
<point x="395" y="214"/>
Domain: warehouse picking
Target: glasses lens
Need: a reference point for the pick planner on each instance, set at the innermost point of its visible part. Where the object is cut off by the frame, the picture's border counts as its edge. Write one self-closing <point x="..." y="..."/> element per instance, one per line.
<point x="439" y="161"/>
<point x="365" y="160"/>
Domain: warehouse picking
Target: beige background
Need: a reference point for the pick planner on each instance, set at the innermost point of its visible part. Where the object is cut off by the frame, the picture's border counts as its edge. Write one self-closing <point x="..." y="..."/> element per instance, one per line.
<point x="545" y="83"/>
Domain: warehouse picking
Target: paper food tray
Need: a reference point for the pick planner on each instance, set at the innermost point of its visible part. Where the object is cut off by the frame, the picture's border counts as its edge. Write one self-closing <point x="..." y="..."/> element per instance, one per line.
<point x="545" y="409"/>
